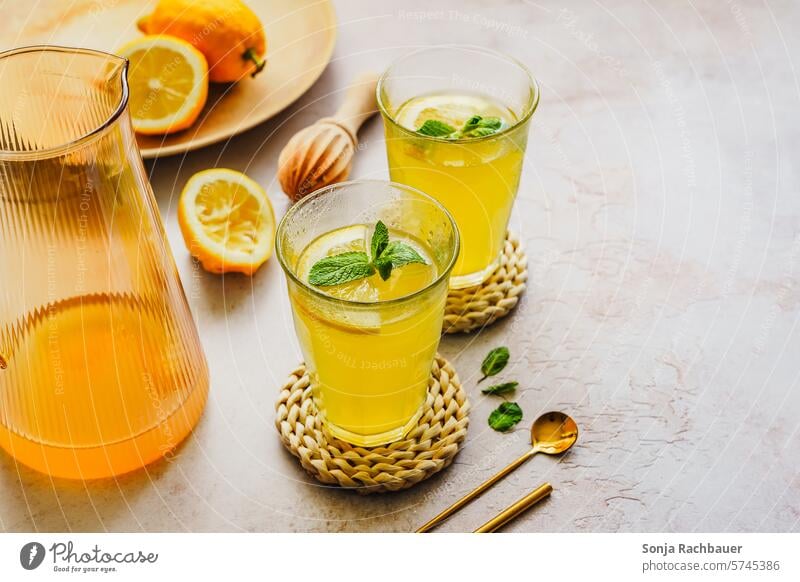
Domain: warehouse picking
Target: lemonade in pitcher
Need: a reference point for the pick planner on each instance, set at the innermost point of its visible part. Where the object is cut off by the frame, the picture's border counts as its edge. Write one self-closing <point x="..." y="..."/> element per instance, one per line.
<point x="367" y="264"/>
<point x="107" y="383"/>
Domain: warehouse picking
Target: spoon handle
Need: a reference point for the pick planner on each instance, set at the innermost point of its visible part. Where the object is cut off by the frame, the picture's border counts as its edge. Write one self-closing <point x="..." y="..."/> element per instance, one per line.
<point x="516" y="509"/>
<point x="476" y="492"/>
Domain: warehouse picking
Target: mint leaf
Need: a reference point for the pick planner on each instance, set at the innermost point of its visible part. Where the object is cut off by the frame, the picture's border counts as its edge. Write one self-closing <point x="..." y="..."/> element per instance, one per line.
<point x="435" y="128"/>
<point x="380" y="239"/>
<point x="401" y="254"/>
<point x="494" y="362"/>
<point x="505" y="416"/>
<point x="340" y="269"/>
<point x="471" y="123"/>
<point x="498" y="389"/>
<point x="384" y="266"/>
<point x="477" y="126"/>
<point x="396" y="254"/>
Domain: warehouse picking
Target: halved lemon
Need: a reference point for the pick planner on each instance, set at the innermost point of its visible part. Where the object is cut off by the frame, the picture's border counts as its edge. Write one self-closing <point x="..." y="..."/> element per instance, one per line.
<point x="168" y="80"/>
<point x="227" y="221"/>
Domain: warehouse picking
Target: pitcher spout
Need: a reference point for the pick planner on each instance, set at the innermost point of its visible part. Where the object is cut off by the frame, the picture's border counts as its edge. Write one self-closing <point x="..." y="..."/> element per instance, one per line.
<point x="62" y="98"/>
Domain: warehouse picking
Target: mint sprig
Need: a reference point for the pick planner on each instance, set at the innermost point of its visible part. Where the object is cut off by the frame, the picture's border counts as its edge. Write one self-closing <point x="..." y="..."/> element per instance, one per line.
<point x="385" y="255"/>
<point x="475" y="126"/>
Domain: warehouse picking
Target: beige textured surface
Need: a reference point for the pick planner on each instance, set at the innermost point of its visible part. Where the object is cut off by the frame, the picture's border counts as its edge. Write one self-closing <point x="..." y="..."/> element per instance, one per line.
<point x="660" y="214"/>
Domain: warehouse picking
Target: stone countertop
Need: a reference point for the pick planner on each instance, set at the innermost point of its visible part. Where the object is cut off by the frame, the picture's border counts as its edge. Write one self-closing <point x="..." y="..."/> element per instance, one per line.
<point x="660" y="208"/>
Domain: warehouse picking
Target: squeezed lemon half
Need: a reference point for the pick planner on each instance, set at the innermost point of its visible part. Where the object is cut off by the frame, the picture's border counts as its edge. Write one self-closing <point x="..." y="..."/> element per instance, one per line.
<point x="227" y="221"/>
<point x="168" y="80"/>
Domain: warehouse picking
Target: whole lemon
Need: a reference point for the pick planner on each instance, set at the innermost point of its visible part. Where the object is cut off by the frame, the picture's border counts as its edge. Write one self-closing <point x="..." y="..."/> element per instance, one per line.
<point x="227" y="32"/>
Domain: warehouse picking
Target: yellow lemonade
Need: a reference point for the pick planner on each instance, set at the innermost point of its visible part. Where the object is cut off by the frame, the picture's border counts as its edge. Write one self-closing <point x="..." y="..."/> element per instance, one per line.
<point x="475" y="178"/>
<point x="103" y="385"/>
<point x="370" y="355"/>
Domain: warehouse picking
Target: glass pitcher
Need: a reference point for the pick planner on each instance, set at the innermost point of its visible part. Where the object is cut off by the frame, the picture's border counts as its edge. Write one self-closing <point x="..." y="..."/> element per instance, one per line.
<point x="101" y="367"/>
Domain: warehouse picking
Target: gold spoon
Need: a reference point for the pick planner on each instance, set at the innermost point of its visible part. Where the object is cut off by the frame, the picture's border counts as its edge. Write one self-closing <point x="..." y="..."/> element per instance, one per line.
<point x="552" y="434"/>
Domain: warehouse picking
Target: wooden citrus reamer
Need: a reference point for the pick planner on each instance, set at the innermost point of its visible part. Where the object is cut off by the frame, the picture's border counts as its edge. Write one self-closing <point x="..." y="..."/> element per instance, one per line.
<point x="322" y="154"/>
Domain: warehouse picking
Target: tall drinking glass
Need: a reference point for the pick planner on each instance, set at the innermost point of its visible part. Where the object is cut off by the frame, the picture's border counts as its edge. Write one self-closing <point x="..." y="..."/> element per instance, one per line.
<point x="369" y="344"/>
<point x="475" y="178"/>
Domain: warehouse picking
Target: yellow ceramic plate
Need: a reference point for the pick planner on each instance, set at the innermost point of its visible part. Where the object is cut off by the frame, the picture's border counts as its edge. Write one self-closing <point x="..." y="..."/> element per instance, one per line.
<point x="300" y="39"/>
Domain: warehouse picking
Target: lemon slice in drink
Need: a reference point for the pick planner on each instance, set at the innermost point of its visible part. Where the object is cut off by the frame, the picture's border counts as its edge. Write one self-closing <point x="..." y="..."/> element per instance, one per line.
<point x="227" y="221"/>
<point x="453" y="110"/>
<point x="168" y="81"/>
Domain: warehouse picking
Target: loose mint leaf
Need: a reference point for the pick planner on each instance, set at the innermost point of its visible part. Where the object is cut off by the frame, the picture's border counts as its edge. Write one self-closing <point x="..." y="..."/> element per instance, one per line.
<point x="436" y="128"/>
<point x="380" y="239"/>
<point x="401" y="254"/>
<point x="384" y="266"/>
<point x="505" y="416"/>
<point x="494" y="362"/>
<point x="340" y="269"/>
<point x="498" y="389"/>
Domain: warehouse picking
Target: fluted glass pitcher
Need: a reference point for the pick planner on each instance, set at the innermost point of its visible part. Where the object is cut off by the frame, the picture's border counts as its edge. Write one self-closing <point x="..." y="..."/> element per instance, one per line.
<point x="101" y="368"/>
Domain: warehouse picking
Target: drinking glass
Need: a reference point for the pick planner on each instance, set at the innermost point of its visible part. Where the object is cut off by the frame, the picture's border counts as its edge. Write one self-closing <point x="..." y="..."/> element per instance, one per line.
<point x="101" y="368"/>
<point x="477" y="178"/>
<point x="369" y="361"/>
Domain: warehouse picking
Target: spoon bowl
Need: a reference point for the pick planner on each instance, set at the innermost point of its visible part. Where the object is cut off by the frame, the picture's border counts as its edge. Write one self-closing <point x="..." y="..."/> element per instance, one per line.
<point x="553" y="433"/>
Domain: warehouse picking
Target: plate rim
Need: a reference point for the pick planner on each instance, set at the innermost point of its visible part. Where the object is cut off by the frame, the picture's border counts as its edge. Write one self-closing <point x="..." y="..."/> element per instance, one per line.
<point x="195" y="144"/>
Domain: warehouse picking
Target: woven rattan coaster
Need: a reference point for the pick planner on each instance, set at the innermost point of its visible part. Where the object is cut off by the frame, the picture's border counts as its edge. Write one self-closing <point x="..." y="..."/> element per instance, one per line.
<point x="476" y="307"/>
<point x="427" y="449"/>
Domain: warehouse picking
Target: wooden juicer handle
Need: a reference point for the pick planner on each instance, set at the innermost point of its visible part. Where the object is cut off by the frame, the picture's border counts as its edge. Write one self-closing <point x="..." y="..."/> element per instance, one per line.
<point x="322" y="154"/>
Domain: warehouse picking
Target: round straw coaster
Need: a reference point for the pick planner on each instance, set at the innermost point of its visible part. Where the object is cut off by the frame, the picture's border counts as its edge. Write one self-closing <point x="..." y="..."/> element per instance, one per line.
<point x="427" y="449"/>
<point x="476" y="307"/>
